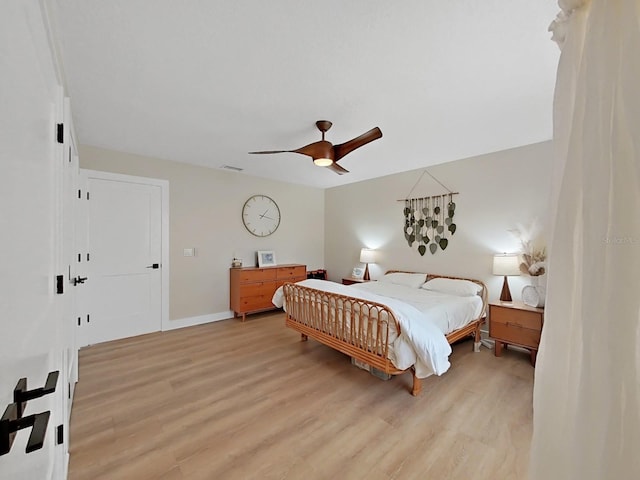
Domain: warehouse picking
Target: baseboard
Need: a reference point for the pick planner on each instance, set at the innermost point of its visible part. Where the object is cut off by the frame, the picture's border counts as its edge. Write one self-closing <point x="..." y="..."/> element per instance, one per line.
<point x="488" y="343"/>
<point x="485" y="340"/>
<point x="197" y="320"/>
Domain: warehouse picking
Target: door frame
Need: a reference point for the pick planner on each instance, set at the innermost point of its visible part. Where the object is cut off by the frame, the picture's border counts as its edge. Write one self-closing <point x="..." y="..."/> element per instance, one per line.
<point x="87" y="174"/>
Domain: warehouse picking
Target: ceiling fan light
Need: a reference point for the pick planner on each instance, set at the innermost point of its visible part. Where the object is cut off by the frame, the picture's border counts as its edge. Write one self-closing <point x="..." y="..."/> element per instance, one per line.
<point x="322" y="162"/>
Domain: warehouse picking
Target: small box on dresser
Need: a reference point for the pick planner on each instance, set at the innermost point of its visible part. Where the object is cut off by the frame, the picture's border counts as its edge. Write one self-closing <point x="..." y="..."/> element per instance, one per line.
<point x="514" y="323"/>
<point x="251" y="288"/>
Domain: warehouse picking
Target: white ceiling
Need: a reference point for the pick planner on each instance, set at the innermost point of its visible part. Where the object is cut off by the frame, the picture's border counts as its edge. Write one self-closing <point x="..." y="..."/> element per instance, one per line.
<point x="204" y="82"/>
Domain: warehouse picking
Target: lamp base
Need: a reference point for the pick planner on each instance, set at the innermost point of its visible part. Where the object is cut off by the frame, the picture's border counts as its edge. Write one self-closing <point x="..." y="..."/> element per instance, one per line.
<point x="366" y="273"/>
<point x="505" y="295"/>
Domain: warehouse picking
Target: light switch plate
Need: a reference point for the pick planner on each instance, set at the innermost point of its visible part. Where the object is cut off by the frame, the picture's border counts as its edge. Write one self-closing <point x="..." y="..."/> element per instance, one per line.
<point x="189" y="252"/>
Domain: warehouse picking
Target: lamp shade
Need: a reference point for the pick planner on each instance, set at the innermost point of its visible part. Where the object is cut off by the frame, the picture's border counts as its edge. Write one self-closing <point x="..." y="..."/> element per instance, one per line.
<point x="367" y="256"/>
<point x="506" y="264"/>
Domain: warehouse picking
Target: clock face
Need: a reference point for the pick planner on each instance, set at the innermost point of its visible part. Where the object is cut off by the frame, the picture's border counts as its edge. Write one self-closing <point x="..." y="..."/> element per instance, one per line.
<point x="261" y="215"/>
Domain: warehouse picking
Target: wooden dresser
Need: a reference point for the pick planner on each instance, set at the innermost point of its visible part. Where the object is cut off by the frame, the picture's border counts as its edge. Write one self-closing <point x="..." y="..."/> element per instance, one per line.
<point x="515" y="323"/>
<point x="252" y="288"/>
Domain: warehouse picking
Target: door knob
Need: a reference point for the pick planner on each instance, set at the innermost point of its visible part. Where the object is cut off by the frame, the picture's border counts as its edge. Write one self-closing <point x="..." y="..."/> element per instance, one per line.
<point x="78" y="280"/>
<point x="154" y="266"/>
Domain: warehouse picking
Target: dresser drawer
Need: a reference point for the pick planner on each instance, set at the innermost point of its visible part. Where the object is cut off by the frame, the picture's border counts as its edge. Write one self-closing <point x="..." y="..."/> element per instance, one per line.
<point x="293" y="272"/>
<point x="256" y="275"/>
<point x="256" y="302"/>
<point x="256" y="288"/>
<point x="516" y="318"/>
<point x="511" y="333"/>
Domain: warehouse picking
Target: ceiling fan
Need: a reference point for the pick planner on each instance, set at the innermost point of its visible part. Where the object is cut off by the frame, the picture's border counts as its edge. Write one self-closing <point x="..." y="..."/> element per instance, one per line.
<point x="325" y="154"/>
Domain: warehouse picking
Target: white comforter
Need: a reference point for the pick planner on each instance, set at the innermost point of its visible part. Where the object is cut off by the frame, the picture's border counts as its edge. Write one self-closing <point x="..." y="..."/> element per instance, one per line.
<point x="421" y="343"/>
<point x="448" y="312"/>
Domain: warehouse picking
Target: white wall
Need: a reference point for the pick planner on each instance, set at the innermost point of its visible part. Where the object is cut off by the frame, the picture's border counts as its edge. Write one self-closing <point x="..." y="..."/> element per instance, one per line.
<point x="205" y="214"/>
<point x="497" y="191"/>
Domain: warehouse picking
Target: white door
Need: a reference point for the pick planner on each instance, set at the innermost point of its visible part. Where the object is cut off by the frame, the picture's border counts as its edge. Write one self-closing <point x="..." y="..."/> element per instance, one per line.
<point x="66" y="266"/>
<point x="32" y="236"/>
<point x="125" y="246"/>
<point x="82" y="259"/>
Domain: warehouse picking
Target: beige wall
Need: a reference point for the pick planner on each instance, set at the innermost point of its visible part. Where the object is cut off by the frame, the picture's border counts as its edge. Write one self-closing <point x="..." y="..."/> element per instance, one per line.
<point x="205" y="214"/>
<point x="497" y="191"/>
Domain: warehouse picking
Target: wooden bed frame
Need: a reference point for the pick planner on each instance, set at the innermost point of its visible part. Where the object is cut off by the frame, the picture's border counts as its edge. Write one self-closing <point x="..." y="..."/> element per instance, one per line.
<point x="321" y="316"/>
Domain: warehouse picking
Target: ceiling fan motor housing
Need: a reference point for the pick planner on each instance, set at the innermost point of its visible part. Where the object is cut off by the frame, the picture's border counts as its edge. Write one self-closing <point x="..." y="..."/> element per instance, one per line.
<point x="323" y="149"/>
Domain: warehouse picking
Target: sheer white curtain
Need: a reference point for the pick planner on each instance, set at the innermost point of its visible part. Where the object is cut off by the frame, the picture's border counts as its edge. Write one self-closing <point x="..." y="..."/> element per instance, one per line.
<point x="587" y="384"/>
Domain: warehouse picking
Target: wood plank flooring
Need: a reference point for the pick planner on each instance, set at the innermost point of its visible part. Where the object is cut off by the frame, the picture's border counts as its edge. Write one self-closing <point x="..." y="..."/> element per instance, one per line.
<point x="233" y="400"/>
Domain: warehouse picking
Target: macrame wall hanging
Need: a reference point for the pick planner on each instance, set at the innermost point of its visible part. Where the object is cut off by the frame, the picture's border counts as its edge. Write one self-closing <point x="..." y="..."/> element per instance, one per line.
<point x="428" y="221"/>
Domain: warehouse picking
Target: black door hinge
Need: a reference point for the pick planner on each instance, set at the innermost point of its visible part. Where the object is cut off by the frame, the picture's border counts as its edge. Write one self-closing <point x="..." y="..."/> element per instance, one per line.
<point x="59" y="284"/>
<point x="60" y="133"/>
<point x="60" y="435"/>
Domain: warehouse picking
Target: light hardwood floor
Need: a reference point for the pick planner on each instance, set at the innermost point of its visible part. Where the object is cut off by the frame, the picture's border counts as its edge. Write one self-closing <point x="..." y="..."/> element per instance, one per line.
<point x="233" y="400"/>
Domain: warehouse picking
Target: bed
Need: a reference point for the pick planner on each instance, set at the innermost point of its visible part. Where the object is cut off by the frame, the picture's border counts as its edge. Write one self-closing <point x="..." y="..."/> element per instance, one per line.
<point x="404" y="322"/>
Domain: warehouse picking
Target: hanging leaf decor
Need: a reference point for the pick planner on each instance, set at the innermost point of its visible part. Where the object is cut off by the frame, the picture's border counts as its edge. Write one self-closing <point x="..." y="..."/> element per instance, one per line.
<point x="428" y="221"/>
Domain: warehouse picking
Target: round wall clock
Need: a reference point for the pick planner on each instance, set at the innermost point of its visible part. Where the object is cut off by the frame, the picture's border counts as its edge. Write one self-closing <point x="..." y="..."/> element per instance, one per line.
<point x="261" y="215"/>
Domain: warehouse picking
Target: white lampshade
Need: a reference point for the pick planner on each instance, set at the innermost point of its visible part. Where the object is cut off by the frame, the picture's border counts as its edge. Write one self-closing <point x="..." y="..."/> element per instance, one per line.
<point x="506" y="264"/>
<point x="322" y="162"/>
<point x="367" y="256"/>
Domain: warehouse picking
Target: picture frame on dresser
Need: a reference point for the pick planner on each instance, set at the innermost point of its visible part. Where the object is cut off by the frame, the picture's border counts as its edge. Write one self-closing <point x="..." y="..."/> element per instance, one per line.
<point x="357" y="273"/>
<point x="266" y="258"/>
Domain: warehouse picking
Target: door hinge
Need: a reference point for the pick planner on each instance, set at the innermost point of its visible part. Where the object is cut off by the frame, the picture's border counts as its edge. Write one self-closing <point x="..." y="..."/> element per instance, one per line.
<point x="60" y="434"/>
<point x="60" y="133"/>
<point x="88" y="257"/>
<point x="88" y="318"/>
<point x="79" y="194"/>
<point x="87" y="194"/>
<point x="59" y="284"/>
<point x="79" y="321"/>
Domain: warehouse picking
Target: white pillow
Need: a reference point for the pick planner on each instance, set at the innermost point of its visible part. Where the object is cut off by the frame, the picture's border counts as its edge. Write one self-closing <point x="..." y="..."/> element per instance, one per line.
<point x="452" y="286"/>
<point x="413" y="280"/>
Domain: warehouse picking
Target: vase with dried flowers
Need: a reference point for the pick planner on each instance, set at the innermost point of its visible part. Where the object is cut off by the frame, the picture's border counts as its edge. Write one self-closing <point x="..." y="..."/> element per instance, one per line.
<point x="532" y="262"/>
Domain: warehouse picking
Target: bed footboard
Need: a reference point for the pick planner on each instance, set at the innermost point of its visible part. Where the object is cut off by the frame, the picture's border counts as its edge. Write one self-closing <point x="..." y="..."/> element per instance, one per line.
<point x="353" y="326"/>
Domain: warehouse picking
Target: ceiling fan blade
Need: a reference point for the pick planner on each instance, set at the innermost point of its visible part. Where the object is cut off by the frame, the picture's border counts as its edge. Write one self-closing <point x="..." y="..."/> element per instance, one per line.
<point x="348" y="147"/>
<point x="274" y="151"/>
<point x="338" y="169"/>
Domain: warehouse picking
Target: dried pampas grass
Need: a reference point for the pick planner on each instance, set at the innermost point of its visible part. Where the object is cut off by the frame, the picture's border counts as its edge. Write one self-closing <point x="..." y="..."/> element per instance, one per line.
<point x="534" y="252"/>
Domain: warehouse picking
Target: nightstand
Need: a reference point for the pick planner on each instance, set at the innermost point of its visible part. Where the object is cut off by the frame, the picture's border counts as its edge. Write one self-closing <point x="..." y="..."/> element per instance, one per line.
<point x="351" y="281"/>
<point x="514" y="323"/>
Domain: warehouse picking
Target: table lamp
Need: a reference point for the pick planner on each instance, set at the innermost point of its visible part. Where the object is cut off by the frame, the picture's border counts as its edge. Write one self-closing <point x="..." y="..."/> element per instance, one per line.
<point x="367" y="256"/>
<point x="506" y="265"/>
